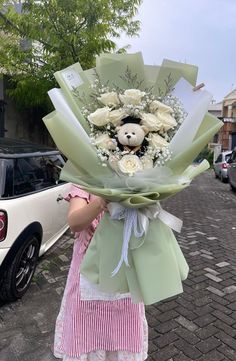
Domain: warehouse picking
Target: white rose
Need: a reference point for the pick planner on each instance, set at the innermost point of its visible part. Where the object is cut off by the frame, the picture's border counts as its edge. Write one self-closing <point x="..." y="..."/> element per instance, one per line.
<point x="100" y="117"/>
<point x="147" y="162"/>
<point x="158" y="106"/>
<point x="151" y="122"/>
<point x="111" y="99"/>
<point x="163" y="113"/>
<point x="132" y="96"/>
<point x="167" y="121"/>
<point x="113" y="162"/>
<point x="156" y="141"/>
<point x="116" y="116"/>
<point x="105" y="142"/>
<point x="130" y="164"/>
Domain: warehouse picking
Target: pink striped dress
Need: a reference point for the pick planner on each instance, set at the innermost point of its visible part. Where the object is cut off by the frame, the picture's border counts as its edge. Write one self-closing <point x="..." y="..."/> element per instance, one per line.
<point x="92" y="325"/>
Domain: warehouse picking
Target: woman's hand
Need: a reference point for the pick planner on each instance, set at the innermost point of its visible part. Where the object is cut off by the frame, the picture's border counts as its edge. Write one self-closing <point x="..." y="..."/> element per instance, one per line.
<point x="102" y="203"/>
<point x="81" y="214"/>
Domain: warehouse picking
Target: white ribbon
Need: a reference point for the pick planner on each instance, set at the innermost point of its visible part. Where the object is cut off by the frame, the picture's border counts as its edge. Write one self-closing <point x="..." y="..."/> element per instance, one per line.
<point x="136" y="221"/>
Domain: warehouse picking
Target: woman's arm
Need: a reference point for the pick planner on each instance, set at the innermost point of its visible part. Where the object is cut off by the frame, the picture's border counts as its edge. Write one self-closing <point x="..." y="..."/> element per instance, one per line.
<point x="81" y="214"/>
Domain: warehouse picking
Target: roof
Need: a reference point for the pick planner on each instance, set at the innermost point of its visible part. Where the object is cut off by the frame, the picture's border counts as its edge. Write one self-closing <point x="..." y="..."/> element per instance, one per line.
<point x="230" y="95"/>
<point x="15" y="148"/>
<point x="215" y="107"/>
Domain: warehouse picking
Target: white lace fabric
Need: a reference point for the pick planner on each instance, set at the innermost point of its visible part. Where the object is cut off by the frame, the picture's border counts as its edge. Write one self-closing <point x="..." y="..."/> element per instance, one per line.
<point x="101" y="355"/>
<point x="90" y="292"/>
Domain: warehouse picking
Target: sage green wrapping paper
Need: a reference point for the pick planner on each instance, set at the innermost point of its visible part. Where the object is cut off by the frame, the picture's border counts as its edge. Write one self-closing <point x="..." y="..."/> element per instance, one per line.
<point x="72" y="78"/>
<point x="110" y="69"/>
<point x="65" y="136"/>
<point x="157" y="267"/>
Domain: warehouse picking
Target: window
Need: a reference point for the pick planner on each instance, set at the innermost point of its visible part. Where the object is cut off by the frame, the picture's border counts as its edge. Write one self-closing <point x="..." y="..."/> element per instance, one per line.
<point x="36" y="173"/>
<point x="6" y="178"/>
<point x="227" y="157"/>
<point x="52" y="167"/>
<point x="233" y="157"/>
<point x="219" y="159"/>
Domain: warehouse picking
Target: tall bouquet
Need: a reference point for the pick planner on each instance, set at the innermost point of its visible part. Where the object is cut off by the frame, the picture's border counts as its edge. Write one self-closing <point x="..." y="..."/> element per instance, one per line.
<point x="131" y="132"/>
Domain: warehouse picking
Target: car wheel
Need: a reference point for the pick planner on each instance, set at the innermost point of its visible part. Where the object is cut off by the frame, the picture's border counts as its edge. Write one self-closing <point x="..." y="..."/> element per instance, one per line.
<point x="233" y="188"/>
<point x="223" y="179"/>
<point x="18" y="275"/>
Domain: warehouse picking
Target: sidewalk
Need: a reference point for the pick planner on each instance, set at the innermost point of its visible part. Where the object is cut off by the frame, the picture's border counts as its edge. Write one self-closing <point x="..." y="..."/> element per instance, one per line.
<point x="199" y="324"/>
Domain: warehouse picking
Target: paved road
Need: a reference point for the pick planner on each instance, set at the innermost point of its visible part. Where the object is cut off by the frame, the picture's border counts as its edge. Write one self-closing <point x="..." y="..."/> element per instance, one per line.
<point x="200" y="324"/>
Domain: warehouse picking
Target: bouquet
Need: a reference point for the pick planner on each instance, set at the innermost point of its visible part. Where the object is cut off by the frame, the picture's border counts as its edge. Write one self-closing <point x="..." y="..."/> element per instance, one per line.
<point x="130" y="132"/>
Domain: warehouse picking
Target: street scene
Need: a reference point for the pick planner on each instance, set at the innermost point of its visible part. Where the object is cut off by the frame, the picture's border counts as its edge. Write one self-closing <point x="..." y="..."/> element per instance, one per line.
<point x="199" y="324"/>
<point x="117" y="130"/>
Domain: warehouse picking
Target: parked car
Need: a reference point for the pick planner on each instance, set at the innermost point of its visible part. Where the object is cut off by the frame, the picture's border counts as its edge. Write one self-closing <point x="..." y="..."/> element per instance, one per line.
<point x="232" y="170"/>
<point x="33" y="214"/>
<point x="221" y="166"/>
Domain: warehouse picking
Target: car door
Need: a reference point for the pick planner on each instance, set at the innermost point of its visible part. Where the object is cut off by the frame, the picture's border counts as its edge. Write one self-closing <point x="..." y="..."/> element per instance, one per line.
<point x="218" y="164"/>
<point x="31" y="201"/>
<point x="232" y="169"/>
<point x="36" y="182"/>
<point x="58" y="190"/>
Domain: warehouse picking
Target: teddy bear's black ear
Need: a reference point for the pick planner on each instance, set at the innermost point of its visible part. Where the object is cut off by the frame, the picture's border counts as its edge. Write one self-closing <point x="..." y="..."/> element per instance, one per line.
<point x="130" y="119"/>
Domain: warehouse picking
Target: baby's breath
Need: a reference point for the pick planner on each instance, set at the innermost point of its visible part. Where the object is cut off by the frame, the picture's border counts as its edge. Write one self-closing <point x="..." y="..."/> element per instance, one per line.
<point x="160" y="156"/>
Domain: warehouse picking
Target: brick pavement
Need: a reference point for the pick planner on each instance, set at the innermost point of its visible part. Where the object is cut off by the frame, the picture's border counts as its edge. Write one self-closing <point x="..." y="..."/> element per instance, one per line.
<point x="199" y="324"/>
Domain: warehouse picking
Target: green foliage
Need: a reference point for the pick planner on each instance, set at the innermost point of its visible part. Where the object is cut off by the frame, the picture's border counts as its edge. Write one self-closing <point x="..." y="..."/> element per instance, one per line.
<point x="47" y="36"/>
<point x="210" y="158"/>
<point x="207" y="154"/>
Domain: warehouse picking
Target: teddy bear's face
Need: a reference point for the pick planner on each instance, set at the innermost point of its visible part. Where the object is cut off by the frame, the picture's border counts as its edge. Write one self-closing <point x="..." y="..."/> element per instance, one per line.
<point x="131" y="134"/>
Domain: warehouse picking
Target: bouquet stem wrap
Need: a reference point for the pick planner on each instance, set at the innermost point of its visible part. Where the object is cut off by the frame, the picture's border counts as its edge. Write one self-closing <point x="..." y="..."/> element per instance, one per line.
<point x="136" y="221"/>
<point x="156" y="263"/>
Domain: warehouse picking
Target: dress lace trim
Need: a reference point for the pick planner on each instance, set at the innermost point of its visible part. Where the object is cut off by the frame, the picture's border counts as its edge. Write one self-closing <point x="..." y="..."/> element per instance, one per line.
<point x="90" y="291"/>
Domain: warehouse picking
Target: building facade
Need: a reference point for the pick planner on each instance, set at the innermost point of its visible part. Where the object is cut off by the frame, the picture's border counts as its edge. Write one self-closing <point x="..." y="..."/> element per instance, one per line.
<point x="227" y="135"/>
<point x="226" y="111"/>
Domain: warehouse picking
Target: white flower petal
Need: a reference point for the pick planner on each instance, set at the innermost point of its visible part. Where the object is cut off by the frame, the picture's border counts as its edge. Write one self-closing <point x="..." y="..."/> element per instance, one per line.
<point x="100" y="117"/>
<point x="129" y="164"/>
<point x="156" y="141"/>
<point x="116" y="116"/>
<point x="151" y="122"/>
<point x="110" y="99"/>
<point x="132" y="96"/>
<point x="103" y="141"/>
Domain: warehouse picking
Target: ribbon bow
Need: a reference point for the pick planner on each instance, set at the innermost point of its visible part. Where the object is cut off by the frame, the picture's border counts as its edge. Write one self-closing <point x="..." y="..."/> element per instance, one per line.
<point x="136" y="221"/>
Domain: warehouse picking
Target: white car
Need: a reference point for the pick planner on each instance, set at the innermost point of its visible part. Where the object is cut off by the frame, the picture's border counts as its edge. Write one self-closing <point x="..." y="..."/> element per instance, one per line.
<point x="221" y="166"/>
<point x="33" y="213"/>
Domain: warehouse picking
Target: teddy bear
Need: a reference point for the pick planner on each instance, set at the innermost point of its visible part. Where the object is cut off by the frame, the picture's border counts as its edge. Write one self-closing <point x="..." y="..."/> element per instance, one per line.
<point x="131" y="136"/>
<point x="133" y="143"/>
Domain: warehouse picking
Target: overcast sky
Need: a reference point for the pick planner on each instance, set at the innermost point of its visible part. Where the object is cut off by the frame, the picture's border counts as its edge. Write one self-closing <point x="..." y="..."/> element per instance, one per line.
<point x="200" y="32"/>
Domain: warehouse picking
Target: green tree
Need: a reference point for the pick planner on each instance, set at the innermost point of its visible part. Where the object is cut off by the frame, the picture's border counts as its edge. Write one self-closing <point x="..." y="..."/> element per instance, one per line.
<point x="40" y="37"/>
